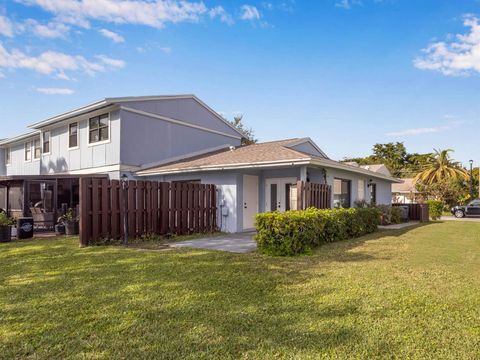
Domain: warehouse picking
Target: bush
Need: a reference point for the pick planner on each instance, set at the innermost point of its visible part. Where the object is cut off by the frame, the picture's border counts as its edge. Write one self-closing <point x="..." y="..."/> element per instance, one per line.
<point x="297" y="232"/>
<point x="396" y="215"/>
<point x="435" y="208"/>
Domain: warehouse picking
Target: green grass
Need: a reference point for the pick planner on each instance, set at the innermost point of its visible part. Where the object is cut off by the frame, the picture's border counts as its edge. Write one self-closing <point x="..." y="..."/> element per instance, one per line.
<point x="396" y="294"/>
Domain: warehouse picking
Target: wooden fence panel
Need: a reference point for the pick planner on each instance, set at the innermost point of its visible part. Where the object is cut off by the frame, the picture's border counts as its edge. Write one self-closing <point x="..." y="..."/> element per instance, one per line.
<point x="417" y="212"/>
<point x="313" y="195"/>
<point x="150" y="208"/>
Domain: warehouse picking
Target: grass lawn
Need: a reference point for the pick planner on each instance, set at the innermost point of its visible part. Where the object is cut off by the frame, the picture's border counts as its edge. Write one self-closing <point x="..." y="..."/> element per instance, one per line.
<point x="395" y="294"/>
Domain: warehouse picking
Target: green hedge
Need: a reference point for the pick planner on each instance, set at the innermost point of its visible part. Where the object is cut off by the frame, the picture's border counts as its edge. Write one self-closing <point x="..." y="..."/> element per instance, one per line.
<point x="435" y="209"/>
<point x="297" y="232"/>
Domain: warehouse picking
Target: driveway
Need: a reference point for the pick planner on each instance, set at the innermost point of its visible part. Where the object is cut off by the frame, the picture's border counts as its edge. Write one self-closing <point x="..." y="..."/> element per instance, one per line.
<point x="453" y="218"/>
<point x="236" y="243"/>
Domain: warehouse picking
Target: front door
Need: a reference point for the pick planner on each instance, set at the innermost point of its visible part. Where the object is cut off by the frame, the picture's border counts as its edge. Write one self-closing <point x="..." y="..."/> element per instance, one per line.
<point x="278" y="193"/>
<point x="250" y="201"/>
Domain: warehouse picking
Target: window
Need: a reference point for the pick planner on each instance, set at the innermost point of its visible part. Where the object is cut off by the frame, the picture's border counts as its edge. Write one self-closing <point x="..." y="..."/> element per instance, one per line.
<point x="28" y="151"/>
<point x="7" y="156"/>
<point x="361" y="190"/>
<point x="73" y="135"/>
<point x="341" y="193"/>
<point x="98" y="128"/>
<point x="46" y="142"/>
<point x="37" y="149"/>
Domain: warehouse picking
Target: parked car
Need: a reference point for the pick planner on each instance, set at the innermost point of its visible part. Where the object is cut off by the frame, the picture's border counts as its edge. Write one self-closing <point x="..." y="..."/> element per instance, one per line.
<point x="471" y="209"/>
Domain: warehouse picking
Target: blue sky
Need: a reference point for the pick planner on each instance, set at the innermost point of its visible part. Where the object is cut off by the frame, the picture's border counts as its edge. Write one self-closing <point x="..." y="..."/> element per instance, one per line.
<point x="347" y="73"/>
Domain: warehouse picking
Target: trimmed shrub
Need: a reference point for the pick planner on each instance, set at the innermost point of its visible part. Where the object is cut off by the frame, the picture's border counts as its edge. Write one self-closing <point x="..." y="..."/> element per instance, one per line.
<point x="435" y="208"/>
<point x="396" y="215"/>
<point x="297" y="232"/>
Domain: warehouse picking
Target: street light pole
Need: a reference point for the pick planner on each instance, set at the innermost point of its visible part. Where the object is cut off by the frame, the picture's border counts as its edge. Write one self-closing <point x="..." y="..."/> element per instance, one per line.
<point x="471" y="179"/>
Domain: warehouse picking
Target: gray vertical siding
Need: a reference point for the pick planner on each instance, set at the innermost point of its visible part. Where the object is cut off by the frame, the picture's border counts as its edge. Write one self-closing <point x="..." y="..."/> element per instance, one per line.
<point x="188" y="110"/>
<point x="62" y="159"/>
<point x="146" y="140"/>
<point x="18" y="165"/>
<point x="3" y="168"/>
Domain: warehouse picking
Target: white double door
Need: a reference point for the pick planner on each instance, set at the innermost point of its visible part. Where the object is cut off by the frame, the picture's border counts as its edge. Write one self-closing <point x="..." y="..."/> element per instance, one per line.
<point x="278" y="193"/>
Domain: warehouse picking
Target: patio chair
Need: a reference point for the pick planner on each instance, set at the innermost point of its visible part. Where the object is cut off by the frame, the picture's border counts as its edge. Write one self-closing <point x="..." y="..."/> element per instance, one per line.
<point x="42" y="219"/>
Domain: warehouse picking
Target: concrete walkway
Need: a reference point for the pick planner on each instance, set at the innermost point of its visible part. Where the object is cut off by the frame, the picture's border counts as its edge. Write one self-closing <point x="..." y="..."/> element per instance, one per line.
<point x="398" y="226"/>
<point x="236" y="243"/>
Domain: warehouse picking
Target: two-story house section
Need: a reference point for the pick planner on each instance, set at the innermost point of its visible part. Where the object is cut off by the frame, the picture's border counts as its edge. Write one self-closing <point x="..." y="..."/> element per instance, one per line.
<point x="111" y="137"/>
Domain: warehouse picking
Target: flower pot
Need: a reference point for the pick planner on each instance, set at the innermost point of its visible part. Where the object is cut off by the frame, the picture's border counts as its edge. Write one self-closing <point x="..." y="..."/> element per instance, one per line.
<point x="59" y="229"/>
<point x="71" y="228"/>
<point x="5" y="233"/>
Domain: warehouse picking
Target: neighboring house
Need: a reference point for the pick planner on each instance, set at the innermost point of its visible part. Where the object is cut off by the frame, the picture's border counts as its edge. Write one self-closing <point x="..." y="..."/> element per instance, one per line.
<point x="405" y="192"/>
<point x="171" y="138"/>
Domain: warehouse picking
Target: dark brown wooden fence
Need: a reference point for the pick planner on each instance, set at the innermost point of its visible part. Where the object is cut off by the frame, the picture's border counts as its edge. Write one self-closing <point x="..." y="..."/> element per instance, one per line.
<point x="313" y="195"/>
<point x="153" y="208"/>
<point x="417" y="212"/>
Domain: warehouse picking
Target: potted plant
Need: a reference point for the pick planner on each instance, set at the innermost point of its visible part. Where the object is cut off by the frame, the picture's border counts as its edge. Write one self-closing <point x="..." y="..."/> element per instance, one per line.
<point x="70" y="220"/>
<point x="60" y="227"/>
<point x="6" y="224"/>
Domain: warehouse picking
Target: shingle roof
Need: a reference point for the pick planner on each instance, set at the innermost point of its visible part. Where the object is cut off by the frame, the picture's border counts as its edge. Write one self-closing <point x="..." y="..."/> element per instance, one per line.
<point x="257" y="153"/>
<point x="262" y="154"/>
<point x="406" y="186"/>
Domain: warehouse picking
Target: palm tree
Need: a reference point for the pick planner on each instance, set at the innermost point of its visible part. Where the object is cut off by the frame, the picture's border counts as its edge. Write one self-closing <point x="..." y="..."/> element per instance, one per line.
<point x="442" y="167"/>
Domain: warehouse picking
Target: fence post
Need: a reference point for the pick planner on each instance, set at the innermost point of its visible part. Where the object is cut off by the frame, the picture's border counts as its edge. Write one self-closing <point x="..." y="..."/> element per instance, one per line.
<point x="84" y="212"/>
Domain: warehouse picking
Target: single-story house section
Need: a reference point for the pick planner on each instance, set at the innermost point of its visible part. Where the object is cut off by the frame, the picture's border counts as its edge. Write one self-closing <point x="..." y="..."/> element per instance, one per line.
<point x="263" y="177"/>
<point x="405" y="192"/>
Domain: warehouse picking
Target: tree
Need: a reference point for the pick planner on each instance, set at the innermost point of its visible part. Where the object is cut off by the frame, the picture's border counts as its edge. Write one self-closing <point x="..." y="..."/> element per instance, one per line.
<point x="249" y="136"/>
<point x="393" y="155"/>
<point x="441" y="168"/>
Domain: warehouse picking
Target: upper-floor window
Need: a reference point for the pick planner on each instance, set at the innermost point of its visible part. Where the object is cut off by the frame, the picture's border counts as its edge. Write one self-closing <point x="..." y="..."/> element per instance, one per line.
<point x="98" y="128"/>
<point x="46" y="142"/>
<point x="8" y="156"/>
<point x="73" y="135"/>
<point x="37" y="149"/>
<point x="28" y="151"/>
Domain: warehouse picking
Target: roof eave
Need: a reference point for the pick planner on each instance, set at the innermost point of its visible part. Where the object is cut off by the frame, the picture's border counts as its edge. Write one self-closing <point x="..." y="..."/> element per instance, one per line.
<point x="222" y="167"/>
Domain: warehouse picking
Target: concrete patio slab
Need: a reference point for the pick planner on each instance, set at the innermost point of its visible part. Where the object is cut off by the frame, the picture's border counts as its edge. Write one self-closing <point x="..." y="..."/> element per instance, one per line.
<point x="236" y="243"/>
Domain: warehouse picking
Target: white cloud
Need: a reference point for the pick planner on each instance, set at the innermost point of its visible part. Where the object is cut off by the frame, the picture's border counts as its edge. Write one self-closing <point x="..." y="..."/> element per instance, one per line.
<point x="2" y="75"/>
<point x="166" y="49"/>
<point x="114" y="63"/>
<point x="51" y="30"/>
<point x="55" y="63"/>
<point x="6" y="26"/>
<point x="347" y="4"/>
<point x="426" y="130"/>
<point x="116" y="38"/>
<point x="456" y="57"/>
<point x="55" y="91"/>
<point x="220" y="12"/>
<point x="249" y="12"/>
<point x="155" y="13"/>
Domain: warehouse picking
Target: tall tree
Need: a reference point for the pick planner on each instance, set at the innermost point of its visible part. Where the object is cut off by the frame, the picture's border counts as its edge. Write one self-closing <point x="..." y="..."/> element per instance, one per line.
<point x="249" y="135"/>
<point x="393" y="155"/>
<point x="441" y="168"/>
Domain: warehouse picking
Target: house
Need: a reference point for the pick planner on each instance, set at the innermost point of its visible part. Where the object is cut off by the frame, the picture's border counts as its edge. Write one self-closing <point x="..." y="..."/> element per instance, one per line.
<point x="171" y="138"/>
<point x="405" y="192"/>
